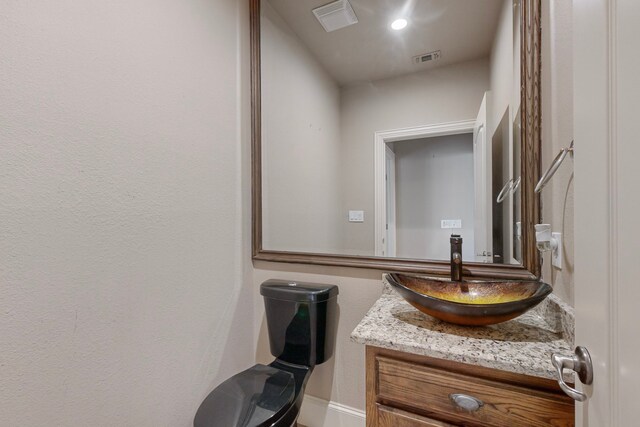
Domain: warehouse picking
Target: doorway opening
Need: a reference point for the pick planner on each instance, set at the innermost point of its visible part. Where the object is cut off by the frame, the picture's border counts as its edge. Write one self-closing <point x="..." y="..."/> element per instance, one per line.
<point x="424" y="190"/>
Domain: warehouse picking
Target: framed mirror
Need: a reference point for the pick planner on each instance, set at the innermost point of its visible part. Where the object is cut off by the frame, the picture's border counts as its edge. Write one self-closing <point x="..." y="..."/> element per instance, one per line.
<point x="381" y="127"/>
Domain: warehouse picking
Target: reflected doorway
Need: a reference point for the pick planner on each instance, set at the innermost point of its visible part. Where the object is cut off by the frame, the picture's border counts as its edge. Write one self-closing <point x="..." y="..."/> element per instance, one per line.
<point x="430" y="195"/>
<point x="425" y="191"/>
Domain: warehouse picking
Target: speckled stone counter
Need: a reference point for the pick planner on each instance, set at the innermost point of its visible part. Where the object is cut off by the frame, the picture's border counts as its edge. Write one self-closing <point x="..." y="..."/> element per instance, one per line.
<point x="523" y="345"/>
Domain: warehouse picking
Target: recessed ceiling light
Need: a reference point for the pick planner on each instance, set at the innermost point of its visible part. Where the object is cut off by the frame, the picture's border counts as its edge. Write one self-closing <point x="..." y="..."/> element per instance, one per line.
<point x="399" y="24"/>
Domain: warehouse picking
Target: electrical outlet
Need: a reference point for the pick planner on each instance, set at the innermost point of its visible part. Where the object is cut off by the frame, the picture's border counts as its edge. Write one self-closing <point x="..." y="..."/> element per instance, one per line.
<point x="356" y="216"/>
<point x="451" y="223"/>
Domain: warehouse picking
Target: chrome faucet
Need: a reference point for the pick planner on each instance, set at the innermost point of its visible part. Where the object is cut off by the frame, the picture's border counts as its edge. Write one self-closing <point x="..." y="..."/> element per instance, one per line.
<point x="456" y="258"/>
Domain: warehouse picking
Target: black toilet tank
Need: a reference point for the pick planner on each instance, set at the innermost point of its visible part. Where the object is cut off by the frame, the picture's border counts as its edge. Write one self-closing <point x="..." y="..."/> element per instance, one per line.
<point x="302" y="319"/>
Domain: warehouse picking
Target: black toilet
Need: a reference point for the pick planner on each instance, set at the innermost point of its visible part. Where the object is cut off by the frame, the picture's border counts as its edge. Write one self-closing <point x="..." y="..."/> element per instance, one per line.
<point x="302" y="321"/>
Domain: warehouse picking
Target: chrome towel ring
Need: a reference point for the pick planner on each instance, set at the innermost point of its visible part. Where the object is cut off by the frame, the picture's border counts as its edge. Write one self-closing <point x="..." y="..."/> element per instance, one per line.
<point x="546" y="177"/>
<point x="505" y="191"/>
<point x="509" y="188"/>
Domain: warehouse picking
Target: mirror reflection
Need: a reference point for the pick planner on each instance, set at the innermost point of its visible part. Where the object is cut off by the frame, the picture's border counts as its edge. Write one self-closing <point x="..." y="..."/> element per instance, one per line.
<point x="388" y="125"/>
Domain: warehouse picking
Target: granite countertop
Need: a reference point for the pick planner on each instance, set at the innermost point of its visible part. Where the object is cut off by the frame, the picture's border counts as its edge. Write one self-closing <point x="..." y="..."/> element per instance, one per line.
<point x="523" y="345"/>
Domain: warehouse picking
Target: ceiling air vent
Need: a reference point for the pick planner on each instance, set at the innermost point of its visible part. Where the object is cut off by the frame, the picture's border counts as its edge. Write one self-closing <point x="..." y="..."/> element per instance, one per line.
<point x="335" y="15"/>
<point x="426" y="57"/>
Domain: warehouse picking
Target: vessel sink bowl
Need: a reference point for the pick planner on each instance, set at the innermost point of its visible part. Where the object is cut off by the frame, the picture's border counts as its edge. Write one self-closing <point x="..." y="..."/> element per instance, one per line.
<point x="469" y="302"/>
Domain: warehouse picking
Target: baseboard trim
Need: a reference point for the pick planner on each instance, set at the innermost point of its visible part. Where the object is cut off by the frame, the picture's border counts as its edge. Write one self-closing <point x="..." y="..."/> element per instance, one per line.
<point x="316" y="412"/>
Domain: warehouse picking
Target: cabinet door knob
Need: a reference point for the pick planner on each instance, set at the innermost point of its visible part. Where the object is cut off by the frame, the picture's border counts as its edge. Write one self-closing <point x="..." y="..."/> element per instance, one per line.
<point x="466" y="402"/>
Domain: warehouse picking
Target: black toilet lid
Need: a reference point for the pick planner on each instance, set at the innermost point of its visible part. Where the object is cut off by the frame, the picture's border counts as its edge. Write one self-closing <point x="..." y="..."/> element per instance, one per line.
<point x="253" y="398"/>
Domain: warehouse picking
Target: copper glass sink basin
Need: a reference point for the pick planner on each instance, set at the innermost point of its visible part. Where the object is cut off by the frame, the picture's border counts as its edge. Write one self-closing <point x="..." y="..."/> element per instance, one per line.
<point x="470" y="302"/>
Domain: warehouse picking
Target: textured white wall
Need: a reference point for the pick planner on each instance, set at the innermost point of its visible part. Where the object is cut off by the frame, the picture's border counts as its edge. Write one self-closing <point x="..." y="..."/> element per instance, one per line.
<point x="502" y="70"/>
<point x="557" y="133"/>
<point x="300" y="144"/>
<point x="121" y="293"/>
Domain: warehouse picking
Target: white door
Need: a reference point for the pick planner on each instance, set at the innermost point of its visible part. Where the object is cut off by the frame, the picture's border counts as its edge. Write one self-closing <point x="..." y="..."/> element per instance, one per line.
<point x="390" y="195"/>
<point x="483" y="242"/>
<point x="607" y="207"/>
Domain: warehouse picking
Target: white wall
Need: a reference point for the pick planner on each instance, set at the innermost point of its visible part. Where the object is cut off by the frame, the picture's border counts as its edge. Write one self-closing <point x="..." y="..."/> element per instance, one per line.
<point x="441" y="95"/>
<point x="434" y="181"/>
<point x="500" y="106"/>
<point x="557" y="133"/>
<point x="121" y="259"/>
<point x="502" y="70"/>
<point x="301" y="144"/>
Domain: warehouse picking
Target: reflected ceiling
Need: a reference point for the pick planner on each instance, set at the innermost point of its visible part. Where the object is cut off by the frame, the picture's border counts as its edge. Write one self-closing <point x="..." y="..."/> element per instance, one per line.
<point x="462" y="30"/>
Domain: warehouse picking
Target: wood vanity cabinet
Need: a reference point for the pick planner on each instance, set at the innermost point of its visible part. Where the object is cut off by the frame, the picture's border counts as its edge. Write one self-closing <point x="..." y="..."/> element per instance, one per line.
<point x="407" y="390"/>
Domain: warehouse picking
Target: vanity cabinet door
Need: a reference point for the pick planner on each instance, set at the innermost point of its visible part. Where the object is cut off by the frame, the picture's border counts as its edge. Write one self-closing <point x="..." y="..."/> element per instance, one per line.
<point x="407" y="390"/>
<point x="392" y="417"/>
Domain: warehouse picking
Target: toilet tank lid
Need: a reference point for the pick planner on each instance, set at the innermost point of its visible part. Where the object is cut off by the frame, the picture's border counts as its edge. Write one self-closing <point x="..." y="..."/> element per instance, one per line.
<point x="291" y="290"/>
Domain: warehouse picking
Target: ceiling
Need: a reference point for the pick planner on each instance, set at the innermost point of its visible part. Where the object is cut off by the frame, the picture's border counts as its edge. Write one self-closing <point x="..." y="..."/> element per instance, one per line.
<point x="369" y="50"/>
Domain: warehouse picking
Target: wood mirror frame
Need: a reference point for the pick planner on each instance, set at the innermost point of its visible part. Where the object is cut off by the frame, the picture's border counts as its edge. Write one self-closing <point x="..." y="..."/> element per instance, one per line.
<point x="531" y="146"/>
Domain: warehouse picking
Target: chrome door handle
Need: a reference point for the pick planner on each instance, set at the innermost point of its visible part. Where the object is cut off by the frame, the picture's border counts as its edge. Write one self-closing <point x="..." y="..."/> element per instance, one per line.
<point x="580" y="363"/>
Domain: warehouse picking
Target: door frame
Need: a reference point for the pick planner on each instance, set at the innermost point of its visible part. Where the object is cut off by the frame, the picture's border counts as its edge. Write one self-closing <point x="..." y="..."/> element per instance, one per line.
<point x="390" y="200"/>
<point x="380" y="141"/>
<point x="482" y="214"/>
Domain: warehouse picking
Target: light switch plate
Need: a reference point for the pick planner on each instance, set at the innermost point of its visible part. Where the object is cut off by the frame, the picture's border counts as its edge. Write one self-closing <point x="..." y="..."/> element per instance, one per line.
<point x="556" y="254"/>
<point x="356" y="216"/>
<point x="451" y="223"/>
